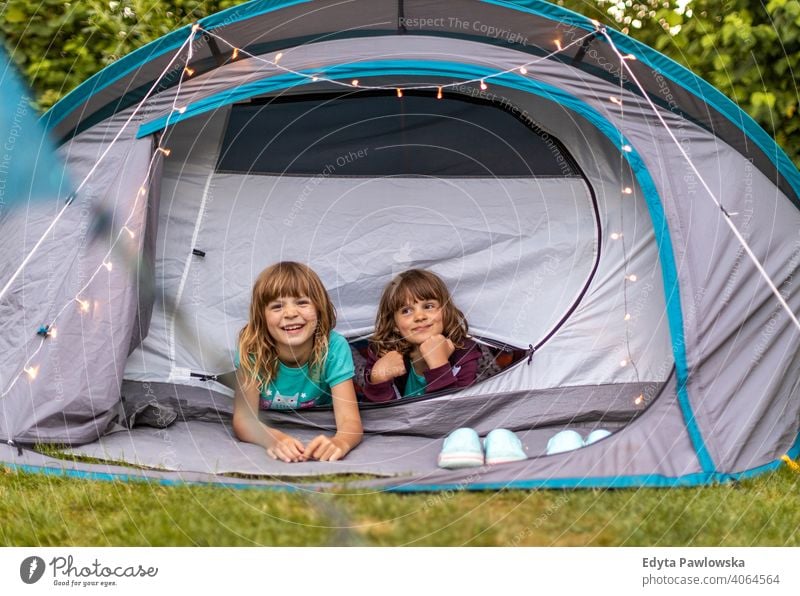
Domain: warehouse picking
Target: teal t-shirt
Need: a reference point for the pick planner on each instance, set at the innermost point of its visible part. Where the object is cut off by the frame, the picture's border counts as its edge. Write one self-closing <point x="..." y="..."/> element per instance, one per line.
<point x="415" y="383"/>
<point x="292" y="388"/>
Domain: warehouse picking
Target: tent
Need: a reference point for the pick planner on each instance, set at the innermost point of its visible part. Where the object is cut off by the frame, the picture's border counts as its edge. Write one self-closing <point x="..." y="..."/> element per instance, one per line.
<point x="607" y="221"/>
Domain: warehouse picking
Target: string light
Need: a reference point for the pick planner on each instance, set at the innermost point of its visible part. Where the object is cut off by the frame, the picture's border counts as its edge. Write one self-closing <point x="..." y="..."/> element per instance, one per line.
<point x="107" y="265"/>
<point x="616" y="235"/>
<point x="615" y="100"/>
<point x="399" y="92"/>
<point x="627" y="190"/>
<point x="278" y="56"/>
<point x="354" y="83"/>
<point x="315" y="78"/>
<point x="484" y="86"/>
<point x="235" y="54"/>
<point x="130" y="232"/>
<point x="83" y="305"/>
<point x="52" y="332"/>
<point x="627" y="316"/>
<point x="32" y="372"/>
<point x="439" y="93"/>
<point x="558" y="44"/>
<point x="165" y="151"/>
<point x="630" y="57"/>
<point x="142" y="190"/>
<point x="195" y="27"/>
<point x="623" y="363"/>
<point x="182" y="110"/>
<point x="189" y="71"/>
<point x="627" y="148"/>
<point x="631" y="277"/>
<point x="523" y="70"/>
<point x="639" y="400"/>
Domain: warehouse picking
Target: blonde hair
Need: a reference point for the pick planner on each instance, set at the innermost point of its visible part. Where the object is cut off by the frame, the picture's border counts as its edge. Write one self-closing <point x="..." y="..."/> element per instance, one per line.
<point x="258" y="353"/>
<point x="411" y="285"/>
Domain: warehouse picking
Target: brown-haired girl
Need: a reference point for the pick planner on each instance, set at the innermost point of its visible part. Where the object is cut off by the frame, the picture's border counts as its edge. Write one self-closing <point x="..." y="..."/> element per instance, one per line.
<point x="293" y="359"/>
<point x="420" y="343"/>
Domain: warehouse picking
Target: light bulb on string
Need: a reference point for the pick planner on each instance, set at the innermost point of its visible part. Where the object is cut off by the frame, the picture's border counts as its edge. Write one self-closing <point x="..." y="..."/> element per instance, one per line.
<point x="627" y="316"/>
<point x="399" y="92"/>
<point x="639" y="400"/>
<point x="108" y="265"/>
<point x="165" y="151"/>
<point x="627" y="148"/>
<point x="354" y="83"/>
<point x="189" y="71"/>
<point x="83" y="305"/>
<point x="616" y="235"/>
<point x="627" y="190"/>
<point x="631" y="277"/>
<point x="182" y="110"/>
<point x="630" y="57"/>
<point x="52" y="332"/>
<point x="558" y="44"/>
<point x="439" y="93"/>
<point x="131" y="233"/>
<point x="484" y="86"/>
<point x="278" y="56"/>
<point x="615" y="100"/>
<point x="523" y="70"/>
<point x="235" y="54"/>
<point x="32" y="372"/>
<point x="623" y="363"/>
<point x="314" y="78"/>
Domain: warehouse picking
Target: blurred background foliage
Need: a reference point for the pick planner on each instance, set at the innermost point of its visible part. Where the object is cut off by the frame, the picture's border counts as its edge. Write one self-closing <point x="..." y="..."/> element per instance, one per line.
<point x="748" y="49"/>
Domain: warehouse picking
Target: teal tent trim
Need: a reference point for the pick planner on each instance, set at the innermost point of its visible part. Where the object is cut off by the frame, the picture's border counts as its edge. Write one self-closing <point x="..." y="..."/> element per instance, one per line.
<point x="515" y="81"/>
<point x="670" y="69"/>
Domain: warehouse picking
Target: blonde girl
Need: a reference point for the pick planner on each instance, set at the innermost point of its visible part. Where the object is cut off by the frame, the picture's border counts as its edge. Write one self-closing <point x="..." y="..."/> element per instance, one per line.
<point x="420" y="343"/>
<point x="294" y="360"/>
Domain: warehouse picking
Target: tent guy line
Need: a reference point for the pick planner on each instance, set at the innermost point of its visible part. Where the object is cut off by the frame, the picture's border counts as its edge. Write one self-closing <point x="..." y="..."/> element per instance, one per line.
<point x="725" y="215"/>
<point x="92" y="170"/>
<point x="105" y="263"/>
<point x="356" y="84"/>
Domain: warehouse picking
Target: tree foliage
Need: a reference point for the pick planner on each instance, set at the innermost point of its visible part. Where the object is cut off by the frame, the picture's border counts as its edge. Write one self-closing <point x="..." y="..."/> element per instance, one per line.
<point x="748" y="49"/>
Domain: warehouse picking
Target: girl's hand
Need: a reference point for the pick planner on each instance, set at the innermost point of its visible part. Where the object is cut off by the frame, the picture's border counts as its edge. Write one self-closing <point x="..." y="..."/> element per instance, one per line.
<point x="285" y="447"/>
<point x="325" y="448"/>
<point x="388" y="366"/>
<point x="436" y="350"/>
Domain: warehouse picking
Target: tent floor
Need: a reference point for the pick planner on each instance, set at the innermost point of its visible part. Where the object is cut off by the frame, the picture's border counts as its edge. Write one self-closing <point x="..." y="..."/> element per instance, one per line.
<point x="210" y="448"/>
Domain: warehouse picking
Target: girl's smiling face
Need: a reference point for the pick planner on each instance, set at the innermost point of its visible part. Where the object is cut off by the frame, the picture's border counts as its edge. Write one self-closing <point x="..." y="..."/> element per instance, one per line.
<point x="292" y="322"/>
<point x="419" y="320"/>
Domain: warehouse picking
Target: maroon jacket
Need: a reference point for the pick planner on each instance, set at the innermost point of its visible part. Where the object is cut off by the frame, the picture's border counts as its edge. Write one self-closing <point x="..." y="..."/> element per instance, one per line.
<point x="463" y="362"/>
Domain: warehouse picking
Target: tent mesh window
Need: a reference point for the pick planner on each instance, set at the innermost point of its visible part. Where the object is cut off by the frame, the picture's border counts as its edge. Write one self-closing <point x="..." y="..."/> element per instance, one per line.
<point x="372" y="134"/>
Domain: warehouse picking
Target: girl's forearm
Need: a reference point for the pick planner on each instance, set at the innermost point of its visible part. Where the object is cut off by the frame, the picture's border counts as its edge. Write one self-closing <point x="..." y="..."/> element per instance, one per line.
<point x="252" y="430"/>
<point x="351" y="433"/>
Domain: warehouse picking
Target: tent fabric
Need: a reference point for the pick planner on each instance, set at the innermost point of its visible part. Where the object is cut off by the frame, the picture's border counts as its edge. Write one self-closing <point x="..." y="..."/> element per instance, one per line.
<point x="638" y="308"/>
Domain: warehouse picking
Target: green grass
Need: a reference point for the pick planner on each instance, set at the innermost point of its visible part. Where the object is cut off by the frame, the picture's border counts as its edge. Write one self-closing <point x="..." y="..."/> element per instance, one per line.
<point x="41" y="510"/>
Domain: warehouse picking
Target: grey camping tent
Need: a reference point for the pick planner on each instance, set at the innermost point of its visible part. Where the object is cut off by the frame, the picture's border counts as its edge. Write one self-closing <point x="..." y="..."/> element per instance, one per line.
<point x="573" y="187"/>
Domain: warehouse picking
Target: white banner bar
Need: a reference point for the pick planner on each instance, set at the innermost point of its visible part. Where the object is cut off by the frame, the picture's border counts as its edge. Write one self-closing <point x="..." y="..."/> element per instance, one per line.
<point x="401" y="571"/>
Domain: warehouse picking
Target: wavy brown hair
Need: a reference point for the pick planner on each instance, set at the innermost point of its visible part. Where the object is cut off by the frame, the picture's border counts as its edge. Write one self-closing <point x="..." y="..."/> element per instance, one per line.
<point x="258" y="353"/>
<point x="411" y="285"/>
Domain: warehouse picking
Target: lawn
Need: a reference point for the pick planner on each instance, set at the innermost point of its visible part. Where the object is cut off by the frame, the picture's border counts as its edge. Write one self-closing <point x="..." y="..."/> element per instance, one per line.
<point x="46" y="510"/>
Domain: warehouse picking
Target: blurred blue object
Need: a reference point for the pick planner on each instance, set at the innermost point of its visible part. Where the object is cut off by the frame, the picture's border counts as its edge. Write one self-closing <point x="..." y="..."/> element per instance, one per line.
<point x="30" y="170"/>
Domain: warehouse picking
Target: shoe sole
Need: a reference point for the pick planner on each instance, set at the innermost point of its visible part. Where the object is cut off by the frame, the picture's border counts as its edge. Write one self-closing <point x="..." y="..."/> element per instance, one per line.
<point x="454" y="461"/>
<point x="504" y="460"/>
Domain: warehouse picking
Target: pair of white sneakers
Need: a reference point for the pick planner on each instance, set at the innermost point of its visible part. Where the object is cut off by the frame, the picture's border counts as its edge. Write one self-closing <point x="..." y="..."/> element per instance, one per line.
<point x="567" y="440"/>
<point x="463" y="448"/>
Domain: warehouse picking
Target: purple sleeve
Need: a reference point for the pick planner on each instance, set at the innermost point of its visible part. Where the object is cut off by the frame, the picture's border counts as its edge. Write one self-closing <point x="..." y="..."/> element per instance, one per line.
<point x="377" y="392"/>
<point x="464" y="362"/>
